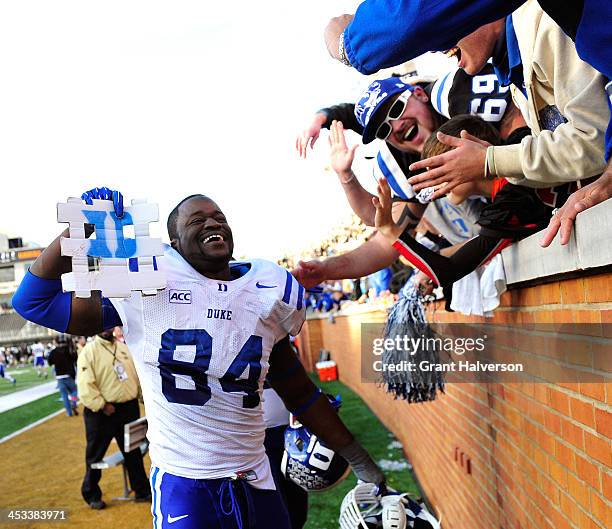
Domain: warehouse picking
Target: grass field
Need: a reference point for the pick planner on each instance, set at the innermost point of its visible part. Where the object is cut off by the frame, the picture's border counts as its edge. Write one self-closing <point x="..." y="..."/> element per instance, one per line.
<point x="26" y="378"/>
<point x="17" y="418"/>
<point x="53" y="453"/>
<point x="324" y="507"/>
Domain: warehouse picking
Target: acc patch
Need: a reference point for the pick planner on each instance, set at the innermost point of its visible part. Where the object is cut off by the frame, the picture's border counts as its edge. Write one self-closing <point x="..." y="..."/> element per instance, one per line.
<point x="182" y="297"/>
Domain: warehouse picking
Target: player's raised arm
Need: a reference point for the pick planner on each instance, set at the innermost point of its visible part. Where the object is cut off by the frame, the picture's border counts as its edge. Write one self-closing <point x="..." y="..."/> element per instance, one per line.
<point x="40" y="298"/>
<point x="373" y="255"/>
<point x="305" y="400"/>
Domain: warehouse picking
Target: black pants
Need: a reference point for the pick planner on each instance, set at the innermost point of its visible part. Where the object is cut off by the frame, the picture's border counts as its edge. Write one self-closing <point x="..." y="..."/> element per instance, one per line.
<point x="100" y="431"/>
<point x="296" y="498"/>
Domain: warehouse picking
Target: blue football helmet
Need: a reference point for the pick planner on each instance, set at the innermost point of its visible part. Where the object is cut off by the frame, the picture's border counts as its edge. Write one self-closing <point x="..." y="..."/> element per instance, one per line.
<point x="307" y="461"/>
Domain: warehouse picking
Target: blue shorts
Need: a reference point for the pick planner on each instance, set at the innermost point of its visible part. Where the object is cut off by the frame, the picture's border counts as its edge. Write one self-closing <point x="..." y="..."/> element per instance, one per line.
<point x="1" y="370"/>
<point x="39" y="361"/>
<point x="183" y="503"/>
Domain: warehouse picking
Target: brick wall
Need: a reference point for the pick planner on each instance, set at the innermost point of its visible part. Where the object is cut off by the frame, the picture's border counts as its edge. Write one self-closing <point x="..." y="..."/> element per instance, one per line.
<point x="504" y="455"/>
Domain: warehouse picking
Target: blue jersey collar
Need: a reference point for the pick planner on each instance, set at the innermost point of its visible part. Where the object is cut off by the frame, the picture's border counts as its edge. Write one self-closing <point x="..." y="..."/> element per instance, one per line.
<point x="508" y="64"/>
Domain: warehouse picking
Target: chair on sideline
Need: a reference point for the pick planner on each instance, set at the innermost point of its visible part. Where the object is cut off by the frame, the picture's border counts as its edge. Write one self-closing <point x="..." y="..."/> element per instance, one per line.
<point x="134" y="437"/>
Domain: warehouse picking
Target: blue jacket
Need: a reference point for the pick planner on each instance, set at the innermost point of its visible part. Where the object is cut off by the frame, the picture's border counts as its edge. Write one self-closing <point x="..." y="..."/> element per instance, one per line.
<point x="385" y="33"/>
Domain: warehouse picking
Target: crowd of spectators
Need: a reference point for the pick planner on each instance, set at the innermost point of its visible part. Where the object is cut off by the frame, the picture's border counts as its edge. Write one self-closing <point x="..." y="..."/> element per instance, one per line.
<point x="340" y="240"/>
<point x="514" y="140"/>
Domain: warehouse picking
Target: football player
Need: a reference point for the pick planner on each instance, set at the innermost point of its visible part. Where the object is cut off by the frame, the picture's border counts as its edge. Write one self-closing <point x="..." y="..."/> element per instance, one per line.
<point x="38" y="350"/>
<point x="202" y="348"/>
<point x="3" y="373"/>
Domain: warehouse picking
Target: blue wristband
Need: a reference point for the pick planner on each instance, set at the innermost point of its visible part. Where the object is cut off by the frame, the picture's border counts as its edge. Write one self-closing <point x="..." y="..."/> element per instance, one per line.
<point x="42" y="301"/>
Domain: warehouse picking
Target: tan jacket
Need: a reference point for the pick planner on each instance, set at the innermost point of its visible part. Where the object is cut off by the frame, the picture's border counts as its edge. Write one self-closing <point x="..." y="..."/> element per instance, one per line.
<point x="97" y="378"/>
<point x="554" y="75"/>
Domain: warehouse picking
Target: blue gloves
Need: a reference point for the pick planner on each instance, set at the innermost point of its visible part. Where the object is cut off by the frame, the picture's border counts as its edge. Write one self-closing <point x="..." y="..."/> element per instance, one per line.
<point x="104" y="193"/>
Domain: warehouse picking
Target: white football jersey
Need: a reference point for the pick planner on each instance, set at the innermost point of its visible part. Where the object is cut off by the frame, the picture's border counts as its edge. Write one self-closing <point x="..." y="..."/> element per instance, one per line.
<point x="201" y="349"/>
<point x="274" y="410"/>
<point x="38" y="349"/>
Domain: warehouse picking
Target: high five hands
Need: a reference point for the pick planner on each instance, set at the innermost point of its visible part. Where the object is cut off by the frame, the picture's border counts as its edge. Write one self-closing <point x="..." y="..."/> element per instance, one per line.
<point x="383" y="219"/>
<point x="464" y="163"/>
<point x="310" y="135"/>
<point x="341" y="155"/>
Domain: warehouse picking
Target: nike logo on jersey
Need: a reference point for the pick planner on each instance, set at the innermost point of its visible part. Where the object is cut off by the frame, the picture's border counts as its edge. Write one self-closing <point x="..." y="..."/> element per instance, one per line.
<point x="172" y="519"/>
<point x="259" y="285"/>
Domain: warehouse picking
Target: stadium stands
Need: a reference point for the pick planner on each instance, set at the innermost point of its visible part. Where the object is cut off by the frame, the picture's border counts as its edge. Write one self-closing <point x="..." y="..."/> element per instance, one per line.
<point x="14" y="329"/>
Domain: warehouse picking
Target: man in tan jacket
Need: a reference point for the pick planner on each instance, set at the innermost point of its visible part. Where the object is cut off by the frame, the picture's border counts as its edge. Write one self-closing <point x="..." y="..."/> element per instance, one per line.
<point x="109" y="389"/>
<point x="561" y="97"/>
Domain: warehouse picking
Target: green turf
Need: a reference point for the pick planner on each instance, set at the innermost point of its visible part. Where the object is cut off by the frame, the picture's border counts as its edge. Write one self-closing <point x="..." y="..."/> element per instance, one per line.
<point x="26" y="378"/>
<point x="17" y="418"/>
<point x="324" y="507"/>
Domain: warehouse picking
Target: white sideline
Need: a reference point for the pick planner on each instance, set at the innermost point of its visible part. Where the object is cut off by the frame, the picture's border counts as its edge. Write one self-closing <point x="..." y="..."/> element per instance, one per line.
<point x="25" y="396"/>
<point x="30" y="426"/>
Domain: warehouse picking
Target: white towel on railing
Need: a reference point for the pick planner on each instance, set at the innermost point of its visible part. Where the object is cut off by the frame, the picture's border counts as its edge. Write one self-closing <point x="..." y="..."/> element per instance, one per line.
<point x="492" y="283"/>
<point x="478" y="293"/>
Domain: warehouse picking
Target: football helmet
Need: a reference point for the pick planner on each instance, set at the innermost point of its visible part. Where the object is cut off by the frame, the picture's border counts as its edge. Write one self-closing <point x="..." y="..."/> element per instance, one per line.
<point x="308" y="461"/>
<point x="366" y="507"/>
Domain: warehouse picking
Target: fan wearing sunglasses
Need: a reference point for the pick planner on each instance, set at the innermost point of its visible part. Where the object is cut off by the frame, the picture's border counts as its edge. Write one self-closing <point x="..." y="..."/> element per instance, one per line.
<point x="403" y="116"/>
<point x="396" y="112"/>
<point x="411" y="103"/>
<point x="400" y="115"/>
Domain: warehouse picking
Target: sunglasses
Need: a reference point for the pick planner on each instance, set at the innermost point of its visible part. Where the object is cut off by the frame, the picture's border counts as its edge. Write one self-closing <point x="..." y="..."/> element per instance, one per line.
<point x="395" y="112"/>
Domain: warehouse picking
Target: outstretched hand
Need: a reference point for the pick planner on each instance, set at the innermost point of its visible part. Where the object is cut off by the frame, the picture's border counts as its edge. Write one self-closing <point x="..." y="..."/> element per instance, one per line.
<point x="341" y="155"/>
<point x="584" y="198"/>
<point x="310" y="135"/>
<point x="383" y="219"/>
<point x="309" y="273"/>
<point x="104" y="193"/>
<point x="465" y="163"/>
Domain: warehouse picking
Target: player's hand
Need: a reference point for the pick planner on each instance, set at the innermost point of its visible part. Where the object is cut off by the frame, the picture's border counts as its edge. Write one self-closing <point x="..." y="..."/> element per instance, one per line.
<point x="341" y="156"/>
<point x="383" y="219"/>
<point x="104" y="193"/>
<point x="334" y="29"/>
<point x="108" y="409"/>
<point x="584" y="198"/>
<point x="309" y="273"/>
<point x="465" y="163"/>
<point x="310" y="135"/>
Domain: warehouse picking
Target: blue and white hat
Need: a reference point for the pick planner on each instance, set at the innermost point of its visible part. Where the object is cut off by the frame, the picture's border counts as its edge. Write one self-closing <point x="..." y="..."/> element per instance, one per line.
<point x="367" y="109"/>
